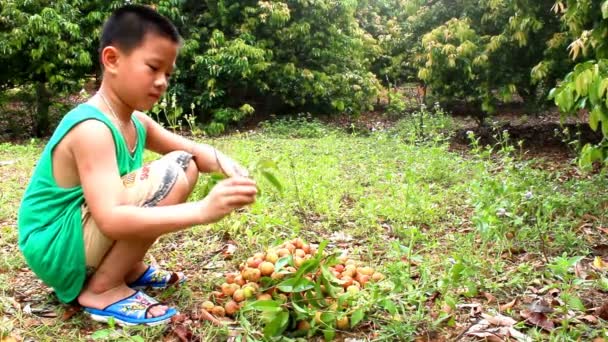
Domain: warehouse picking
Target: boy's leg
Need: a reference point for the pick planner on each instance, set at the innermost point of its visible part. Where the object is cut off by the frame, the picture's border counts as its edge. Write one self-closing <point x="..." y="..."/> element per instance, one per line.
<point x="166" y="181"/>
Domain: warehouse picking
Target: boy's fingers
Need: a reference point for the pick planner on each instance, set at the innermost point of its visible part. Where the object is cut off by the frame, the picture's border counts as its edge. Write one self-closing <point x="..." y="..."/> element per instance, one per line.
<point x="240" y="200"/>
<point x="240" y="181"/>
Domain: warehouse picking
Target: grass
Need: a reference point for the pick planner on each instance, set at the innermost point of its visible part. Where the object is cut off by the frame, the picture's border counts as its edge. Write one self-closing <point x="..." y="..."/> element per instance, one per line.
<point x="448" y="229"/>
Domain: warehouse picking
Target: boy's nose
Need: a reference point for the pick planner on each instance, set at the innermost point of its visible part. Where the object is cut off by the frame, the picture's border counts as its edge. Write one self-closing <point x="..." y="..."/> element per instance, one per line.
<point x="161" y="82"/>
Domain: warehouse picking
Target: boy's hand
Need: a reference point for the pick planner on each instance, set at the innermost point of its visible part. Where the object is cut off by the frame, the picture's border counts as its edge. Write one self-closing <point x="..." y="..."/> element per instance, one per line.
<point x="231" y="167"/>
<point x="226" y="196"/>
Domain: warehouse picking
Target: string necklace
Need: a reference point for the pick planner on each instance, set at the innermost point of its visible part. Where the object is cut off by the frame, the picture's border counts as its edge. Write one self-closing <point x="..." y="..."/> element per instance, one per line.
<point x="120" y="123"/>
<point x="103" y="98"/>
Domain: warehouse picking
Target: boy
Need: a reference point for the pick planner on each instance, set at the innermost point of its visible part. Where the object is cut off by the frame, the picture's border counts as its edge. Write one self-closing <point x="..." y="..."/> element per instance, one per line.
<point x="91" y="210"/>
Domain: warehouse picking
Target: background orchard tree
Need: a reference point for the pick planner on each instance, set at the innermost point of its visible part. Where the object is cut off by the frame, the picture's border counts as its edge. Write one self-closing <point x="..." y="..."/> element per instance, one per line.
<point x="47" y="48"/>
<point x="586" y="86"/>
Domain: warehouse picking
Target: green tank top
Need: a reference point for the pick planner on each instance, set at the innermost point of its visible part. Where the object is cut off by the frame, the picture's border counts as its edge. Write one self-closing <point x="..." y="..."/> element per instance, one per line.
<point x="49" y="217"/>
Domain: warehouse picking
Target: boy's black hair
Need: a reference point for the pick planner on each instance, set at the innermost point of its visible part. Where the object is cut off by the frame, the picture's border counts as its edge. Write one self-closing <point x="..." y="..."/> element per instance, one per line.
<point x="128" y="25"/>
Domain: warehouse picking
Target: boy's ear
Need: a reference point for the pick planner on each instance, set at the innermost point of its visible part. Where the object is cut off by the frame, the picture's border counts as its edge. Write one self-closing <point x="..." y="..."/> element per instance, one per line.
<point x="110" y="56"/>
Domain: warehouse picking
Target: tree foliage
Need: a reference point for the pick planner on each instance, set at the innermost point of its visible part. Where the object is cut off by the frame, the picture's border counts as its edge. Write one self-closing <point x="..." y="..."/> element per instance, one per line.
<point x="586" y="86"/>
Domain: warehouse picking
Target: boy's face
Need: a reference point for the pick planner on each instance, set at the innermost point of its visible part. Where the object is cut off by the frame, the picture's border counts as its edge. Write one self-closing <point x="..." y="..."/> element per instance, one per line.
<point x="140" y="77"/>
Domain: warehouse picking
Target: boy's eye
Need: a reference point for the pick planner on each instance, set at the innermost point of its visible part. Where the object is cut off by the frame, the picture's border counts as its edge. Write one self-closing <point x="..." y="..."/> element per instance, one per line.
<point x="153" y="67"/>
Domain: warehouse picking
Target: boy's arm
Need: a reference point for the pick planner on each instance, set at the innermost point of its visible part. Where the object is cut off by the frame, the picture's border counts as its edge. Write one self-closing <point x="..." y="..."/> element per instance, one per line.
<point x="92" y="147"/>
<point x="207" y="158"/>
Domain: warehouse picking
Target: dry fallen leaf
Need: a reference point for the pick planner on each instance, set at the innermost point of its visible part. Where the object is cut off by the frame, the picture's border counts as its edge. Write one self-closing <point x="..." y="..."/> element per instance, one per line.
<point x="589" y="319"/>
<point x="508" y="306"/>
<point x="490" y="298"/>
<point x="540" y="320"/>
<point x="204" y="315"/>
<point x="499" y="320"/>
<point x="602" y="311"/>
<point x="70" y="311"/>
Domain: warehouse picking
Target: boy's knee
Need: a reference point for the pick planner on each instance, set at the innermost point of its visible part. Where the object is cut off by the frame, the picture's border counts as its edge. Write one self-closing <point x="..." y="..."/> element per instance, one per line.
<point x="181" y="158"/>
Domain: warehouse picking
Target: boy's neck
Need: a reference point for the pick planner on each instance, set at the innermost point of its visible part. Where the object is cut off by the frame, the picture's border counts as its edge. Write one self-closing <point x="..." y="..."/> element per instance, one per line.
<point x="113" y="104"/>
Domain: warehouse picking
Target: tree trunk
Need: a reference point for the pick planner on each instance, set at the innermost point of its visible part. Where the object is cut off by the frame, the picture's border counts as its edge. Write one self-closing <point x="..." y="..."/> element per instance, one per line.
<point x="41" y="118"/>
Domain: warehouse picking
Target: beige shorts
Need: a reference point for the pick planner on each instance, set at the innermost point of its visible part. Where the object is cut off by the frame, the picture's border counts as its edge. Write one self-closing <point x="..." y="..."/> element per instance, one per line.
<point x="144" y="187"/>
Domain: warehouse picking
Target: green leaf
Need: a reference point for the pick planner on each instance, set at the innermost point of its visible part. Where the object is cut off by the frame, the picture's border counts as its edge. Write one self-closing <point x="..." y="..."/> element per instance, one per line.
<point x="307" y="266"/>
<point x="297" y="308"/>
<point x="601" y="90"/>
<point x="273" y="180"/>
<point x="101" y="334"/>
<point x="329" y="334"/>
<point x="605" y="9"/>
<point x="277" y="325"/>
<point x="295" y="285"/>
<point x="356" y="317"/>
<point x="574" y="302"/>
<point x="282" y="262"/>
<point x="583" y="81"/>
<point x="266" y="164"/>
<point x="389" y="306"/>
<point x="594" y="90"/>
<point x="595" y="117"/>
<point x="328" y="318"/>
<point x="263" y="305"/>
<point x="564" y="99"/>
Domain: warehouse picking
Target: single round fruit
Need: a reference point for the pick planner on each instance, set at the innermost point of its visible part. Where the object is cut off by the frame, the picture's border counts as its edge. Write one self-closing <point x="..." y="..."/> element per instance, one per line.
<point x="230" y="277"/>
<point x="254" y="262"/>
<point x="239" y="280"/>
<point x="259" y="255"/>
<point x="342" y="323"/>
<point x="300" y="253"/>
<point x="298" y="243"/>
<point x="283" y="252"/>
<point x="231" y="308"/>
<point x="303" y="326"/>
<point x="266" y="268"/>
<point x="282" y="297"/>
<point x="254" y="286"/>
<point x="362" y="279"/>
<point x="239" y="295"/>
<point x="346" y="281"/>
<point x="277" y="275"/>
<point x="339" y="268"/>
<point x="377" y="276"/>
<point x="290" y="247"/>
<point x="349" y="271"/>
<point x="216" y="296"/>
<point x="228" y="289"/>
<point x="343" y="259"/>
<point x="264" y="296"/>
<point x="207" y="305"/>
<point x="306" y="248"/>
<point x="218" y="311"/>
<point x="353" y="289"/>
<point x="248" y="292"/>
<point x="252" y="274"/>
<point x="366" y="271"/>
<point x="298" y="261"/>
<point x="272" y="257"/>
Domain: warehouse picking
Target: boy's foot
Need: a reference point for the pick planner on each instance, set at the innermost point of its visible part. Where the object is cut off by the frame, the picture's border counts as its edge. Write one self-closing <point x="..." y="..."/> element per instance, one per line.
<point x="100" y="301"/>
<point x="143" y="277"/>
<point x="132" y="310"/>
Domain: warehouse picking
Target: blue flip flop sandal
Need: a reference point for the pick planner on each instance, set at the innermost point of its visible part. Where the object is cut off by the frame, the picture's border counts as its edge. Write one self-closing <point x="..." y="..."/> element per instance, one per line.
<point x="157" y="279"/>
<point x="132" y="310"/>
